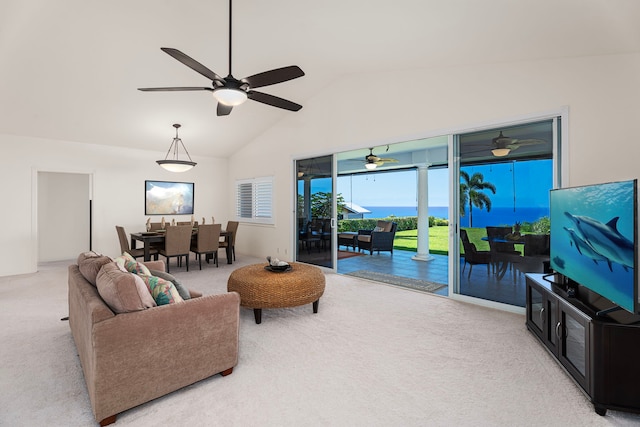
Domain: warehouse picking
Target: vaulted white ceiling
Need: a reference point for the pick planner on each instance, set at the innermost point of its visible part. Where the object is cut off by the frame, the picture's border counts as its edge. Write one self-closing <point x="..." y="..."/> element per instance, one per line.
<point x="69" y="70"/>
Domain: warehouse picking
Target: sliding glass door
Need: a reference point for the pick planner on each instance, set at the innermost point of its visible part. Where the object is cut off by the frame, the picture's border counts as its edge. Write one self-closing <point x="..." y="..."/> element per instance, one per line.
<point x="315" y="216"/>
<point x="504" y="177"/>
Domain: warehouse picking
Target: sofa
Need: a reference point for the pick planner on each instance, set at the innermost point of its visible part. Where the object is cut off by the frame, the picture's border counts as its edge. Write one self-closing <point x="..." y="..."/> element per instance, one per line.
<point x="133" y="352"/>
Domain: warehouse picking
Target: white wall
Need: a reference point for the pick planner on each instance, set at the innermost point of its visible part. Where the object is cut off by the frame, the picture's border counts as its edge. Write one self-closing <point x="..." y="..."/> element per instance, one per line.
<point x="118" y="191"/>
<point x="602" y="94"/>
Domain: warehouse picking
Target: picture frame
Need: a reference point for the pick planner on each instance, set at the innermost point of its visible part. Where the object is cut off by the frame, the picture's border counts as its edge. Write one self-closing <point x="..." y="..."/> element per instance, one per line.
<point x="168" y="198"/>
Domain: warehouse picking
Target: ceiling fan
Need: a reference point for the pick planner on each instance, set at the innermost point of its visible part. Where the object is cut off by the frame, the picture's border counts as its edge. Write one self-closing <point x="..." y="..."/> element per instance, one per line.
<point x="229" y="91"/>
<point x="503" y="145"/>
<point x="371" y="161"/>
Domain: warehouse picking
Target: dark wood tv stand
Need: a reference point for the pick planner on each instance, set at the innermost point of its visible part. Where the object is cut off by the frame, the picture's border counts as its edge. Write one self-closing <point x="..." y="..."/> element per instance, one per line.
<point x="600" y="353"/>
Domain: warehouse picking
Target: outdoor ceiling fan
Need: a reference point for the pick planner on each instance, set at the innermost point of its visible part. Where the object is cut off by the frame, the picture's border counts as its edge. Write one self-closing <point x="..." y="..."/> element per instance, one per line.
<point x="229" y="91"/>
<point x="371" y="161"/>
<point x="503" y="145"/>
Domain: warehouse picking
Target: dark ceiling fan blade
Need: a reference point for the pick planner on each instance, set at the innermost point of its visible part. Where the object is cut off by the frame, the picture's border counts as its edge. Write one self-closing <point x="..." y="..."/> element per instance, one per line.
<point x="273" y="100"/>
<point x="224" y="110"/>
<point x="172" y="89"/>
<point x="272" y="77"/>
<point x="192" y="63"/>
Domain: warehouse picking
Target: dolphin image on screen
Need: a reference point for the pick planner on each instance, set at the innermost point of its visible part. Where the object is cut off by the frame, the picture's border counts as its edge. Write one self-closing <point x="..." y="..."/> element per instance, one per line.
<point x="605" y="239"/>
<point x="584" y="248"/>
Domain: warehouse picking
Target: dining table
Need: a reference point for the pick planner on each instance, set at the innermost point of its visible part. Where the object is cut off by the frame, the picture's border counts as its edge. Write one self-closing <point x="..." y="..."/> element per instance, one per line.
<point x="526" y="263"/>
<point x="149" y="237"/>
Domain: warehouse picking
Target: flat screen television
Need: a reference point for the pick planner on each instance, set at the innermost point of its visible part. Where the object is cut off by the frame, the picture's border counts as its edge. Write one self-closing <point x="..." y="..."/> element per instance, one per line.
<point x="594" y="239"/>
<point x="168" y="198"/>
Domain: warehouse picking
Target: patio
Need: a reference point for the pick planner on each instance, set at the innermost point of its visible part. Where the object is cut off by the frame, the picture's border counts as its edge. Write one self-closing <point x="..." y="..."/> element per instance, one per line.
<point x="478" y="285"/>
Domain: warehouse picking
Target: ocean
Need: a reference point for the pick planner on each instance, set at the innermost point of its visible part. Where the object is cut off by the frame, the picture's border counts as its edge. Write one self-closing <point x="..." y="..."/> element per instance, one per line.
<point x="481" y="218"/>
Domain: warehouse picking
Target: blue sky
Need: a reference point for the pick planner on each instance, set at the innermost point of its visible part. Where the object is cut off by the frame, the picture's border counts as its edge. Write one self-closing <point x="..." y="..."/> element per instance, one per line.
<point x="533" y="180"/>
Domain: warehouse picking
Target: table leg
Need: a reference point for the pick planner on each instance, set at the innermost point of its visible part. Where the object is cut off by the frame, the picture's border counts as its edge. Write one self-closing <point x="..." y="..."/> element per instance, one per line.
<point x="147" y="245"/>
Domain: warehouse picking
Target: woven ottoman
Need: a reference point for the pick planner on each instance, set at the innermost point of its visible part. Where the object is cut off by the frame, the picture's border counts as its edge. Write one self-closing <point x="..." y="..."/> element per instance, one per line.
<point x="259" y="288"/>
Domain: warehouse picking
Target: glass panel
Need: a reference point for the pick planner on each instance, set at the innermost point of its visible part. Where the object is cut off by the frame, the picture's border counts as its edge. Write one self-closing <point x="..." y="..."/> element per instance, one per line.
<point x="314" y="210"/>
<point x="505" y="178"/>
<point x="574" y="349"/>
<point x="536" y="308"/>
<point x="406" y="183"/>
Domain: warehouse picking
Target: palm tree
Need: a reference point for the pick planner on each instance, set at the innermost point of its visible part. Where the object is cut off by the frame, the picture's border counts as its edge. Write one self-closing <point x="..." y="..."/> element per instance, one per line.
<point x="471" y="192"/>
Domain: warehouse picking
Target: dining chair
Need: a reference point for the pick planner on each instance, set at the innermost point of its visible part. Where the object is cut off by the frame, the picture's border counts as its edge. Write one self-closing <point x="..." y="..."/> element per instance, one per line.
<point x="207" y="242"/>
<point x="536" y="255"/>
<point x="177" y="243"/>
<point x="501" y="250"/>
<point x="472" y="256"/>
<point x="155" y="226"/>
<point x="232" y="227"/>
<point x="195" y="223"/>
<point x="124" y="245"/>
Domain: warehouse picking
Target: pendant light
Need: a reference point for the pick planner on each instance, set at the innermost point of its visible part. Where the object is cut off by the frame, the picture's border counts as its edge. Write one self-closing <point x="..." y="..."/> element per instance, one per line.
<point x="175" y="164"/>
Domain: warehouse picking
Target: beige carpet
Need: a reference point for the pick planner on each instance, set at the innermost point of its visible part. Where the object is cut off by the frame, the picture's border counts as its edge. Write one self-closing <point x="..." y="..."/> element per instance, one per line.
<point x="374" y="355"/>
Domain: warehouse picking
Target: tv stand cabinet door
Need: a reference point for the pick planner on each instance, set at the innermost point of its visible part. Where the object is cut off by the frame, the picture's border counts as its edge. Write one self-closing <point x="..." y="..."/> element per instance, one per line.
<point x="542" y="314"/>
<point x="575" y="334"/>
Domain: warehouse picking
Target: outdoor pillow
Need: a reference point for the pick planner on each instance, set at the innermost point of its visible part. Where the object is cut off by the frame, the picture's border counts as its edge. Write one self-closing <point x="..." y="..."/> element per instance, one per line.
<point x="184" y="292"/>
<point x="376" y="229"/>
<point x="90" y="263"/>
<point x="123" y="292"/>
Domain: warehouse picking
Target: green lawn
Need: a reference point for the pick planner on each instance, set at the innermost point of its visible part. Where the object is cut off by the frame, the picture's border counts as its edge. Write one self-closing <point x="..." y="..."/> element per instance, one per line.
<point x="438" y="239"/>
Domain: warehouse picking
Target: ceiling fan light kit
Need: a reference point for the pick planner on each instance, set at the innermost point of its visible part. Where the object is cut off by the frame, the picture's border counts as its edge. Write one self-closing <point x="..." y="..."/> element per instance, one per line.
<point x="174" y="164"/>
<point x="230" y="97"/>
<point x="370" y="166"/>
<point x="500" y="152"/>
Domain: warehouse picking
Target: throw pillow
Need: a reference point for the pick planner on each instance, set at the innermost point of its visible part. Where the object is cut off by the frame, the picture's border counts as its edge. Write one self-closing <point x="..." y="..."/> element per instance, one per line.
<point x="184" y="292"/>
<point x="162" y="291"/>
<point x="376" y="229"/>
<point x="121" y="291"/>
<point x="131" y="265"/>
<point x="90" y="263"/>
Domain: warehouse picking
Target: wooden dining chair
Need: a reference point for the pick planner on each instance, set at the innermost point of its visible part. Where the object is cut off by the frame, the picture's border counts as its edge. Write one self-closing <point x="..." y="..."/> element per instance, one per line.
<point x="501" y="251"/>
<point x="232" y="226"/>
<point x="124" y="245"/>
<point x="207" y="242"/>
<point x="177" y="244"/>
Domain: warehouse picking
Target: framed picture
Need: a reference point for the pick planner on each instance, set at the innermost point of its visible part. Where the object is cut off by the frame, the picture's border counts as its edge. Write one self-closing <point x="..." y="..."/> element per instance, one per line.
<point x="168" y="198"/>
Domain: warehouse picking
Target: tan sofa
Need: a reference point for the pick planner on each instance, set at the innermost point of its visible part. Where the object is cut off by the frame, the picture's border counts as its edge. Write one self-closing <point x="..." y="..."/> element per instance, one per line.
<point x="131" y="358"/>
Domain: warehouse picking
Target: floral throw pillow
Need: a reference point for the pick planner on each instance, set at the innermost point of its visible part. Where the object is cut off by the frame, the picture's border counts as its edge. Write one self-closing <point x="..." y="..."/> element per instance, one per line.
<point x="128" y="263"/>
<point x="162" y="291"/>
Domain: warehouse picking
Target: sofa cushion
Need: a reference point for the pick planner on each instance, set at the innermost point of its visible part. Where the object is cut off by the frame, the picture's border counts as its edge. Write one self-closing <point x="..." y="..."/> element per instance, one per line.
<point x="123" y="291"/>
<point x="184" y="292"/>
<point x="162" y="291"/>
<point x="90" y="263"/>
<point x="130" y="264"/>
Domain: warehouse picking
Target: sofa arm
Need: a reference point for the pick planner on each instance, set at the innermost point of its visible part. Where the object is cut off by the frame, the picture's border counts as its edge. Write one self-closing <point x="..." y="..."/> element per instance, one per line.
<point x="365" y="232"/>
<point x="143" y="355"/>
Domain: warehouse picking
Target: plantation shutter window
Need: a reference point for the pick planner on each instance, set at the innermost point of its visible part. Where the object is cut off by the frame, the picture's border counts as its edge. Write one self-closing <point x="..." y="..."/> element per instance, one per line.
<point x="254" y="200"/>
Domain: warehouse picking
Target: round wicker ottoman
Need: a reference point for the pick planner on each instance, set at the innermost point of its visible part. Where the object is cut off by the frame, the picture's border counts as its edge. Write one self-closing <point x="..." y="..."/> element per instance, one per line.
<point x="259" y="288"/>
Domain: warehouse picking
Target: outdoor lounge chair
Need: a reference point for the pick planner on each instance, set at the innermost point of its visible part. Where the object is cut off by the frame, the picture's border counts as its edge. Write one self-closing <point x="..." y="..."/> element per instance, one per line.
<point x="378" y="239"/>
